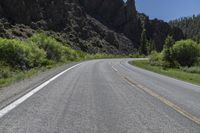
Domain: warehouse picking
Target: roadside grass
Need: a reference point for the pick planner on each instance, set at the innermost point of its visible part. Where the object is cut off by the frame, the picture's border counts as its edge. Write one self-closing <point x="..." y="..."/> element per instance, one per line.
<point x="171" y="72"/>
<point x="17" y="75"/>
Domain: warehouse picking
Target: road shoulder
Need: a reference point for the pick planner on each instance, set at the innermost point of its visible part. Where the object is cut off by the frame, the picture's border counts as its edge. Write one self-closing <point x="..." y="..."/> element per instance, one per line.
<point x="16" y="90"/>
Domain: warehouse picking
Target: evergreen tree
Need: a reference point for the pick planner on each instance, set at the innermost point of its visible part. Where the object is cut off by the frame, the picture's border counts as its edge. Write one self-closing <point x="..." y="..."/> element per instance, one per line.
<point x="169" y="42"/>
<point x="168" y="51"/>
<point x="144" y="43"/>
<point x="152" y="46"/>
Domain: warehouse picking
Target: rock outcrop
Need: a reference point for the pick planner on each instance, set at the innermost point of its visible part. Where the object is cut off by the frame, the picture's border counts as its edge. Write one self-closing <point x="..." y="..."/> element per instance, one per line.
<point x="117" y="15"/>
<point x="158" y="30"/>
<point x="110" y="26"/>
<point x="67" y="20"/>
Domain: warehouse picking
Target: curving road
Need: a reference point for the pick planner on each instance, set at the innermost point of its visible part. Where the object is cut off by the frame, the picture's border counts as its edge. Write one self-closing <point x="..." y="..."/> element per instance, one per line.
<point x="107" y="96"/>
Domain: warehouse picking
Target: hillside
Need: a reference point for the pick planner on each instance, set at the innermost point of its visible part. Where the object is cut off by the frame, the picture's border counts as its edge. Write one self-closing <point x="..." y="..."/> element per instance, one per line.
<point x="189" y="25"/>
<point x="110" y="26"/>
<point x="158" y="30"/>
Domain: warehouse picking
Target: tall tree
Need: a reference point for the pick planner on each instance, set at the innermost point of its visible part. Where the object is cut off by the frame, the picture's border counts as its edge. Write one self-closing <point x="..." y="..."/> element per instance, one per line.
<point x="168" y="52"/>
<point x="144" y="43"/>
<point x="151" y="46"/>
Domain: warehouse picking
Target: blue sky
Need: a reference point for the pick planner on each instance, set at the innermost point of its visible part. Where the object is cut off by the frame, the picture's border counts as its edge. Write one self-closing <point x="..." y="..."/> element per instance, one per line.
<point x="168" y="9"/>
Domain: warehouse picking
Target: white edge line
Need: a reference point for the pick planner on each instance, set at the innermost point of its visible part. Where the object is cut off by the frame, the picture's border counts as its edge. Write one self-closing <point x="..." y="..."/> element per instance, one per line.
<point x="16" y="103"/>
<point x="114" y="68"/>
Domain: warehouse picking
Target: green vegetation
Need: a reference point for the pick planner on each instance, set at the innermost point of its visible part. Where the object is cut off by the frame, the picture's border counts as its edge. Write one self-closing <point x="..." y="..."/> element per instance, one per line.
<point x="55" y="51"/>
<point x="155" y="59"/>
<point x="194" y="69"/>
<point x="179" y="59"/>
<point x="20" y="59"/>
<point x="168" y="52"/>
<point x="144" y="43"/>
<point x="147" y="46"/>
<point x="171" y="72"/>
<point x="20" y="54"/>
<point x="189" y="26"/>
<point x="186" y="52"/>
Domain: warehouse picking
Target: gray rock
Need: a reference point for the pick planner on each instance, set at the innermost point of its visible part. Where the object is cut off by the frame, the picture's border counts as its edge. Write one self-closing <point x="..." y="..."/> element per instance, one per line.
<point x="110" y="26"/>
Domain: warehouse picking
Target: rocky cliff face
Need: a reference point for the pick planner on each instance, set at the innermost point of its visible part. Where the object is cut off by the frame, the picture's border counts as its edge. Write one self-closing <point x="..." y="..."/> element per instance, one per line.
<point x="65" y="19"/>
<point x="158" y="30"/>
<point x="110" y="26"/>
<point x="117" y="15"/>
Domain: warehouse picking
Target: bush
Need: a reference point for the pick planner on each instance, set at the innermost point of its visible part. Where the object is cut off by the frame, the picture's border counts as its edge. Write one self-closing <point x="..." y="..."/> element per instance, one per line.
<point x="198" y="62"/>
<point x="155" y="58"/>
<point x="5" y="70"/>
<point x="20" y="54"/>
<point x="72" y="55"/>
<point x="53" y="48"/>
<point x="186" y="52"/>
<point x="195" y="69"/>
<point x="137" y="55"/>
<point x="38" y="56"/>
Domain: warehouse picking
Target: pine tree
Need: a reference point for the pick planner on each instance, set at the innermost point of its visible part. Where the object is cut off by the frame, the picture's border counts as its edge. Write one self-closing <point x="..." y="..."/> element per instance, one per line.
<point x="151" y="46"/>
<point x="169" y="42"/>
<point x="167" y="51"/>
<point x="144" y="43"/>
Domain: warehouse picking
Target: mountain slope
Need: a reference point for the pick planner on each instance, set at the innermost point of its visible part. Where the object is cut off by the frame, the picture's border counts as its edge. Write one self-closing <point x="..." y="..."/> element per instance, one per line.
<point x="117" y="15"/>
<point x="158" y="30"/>
<point x="109" y="26"/>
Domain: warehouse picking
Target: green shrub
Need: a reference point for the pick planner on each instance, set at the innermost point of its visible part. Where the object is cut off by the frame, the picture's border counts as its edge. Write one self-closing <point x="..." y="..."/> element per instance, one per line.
<point x="53" y="48"/>
<point x="195" y="69"/>
<point x="186" y="52"/>
<point x="20" y="54"/>
<point x="38" y="56"/>
<point x="5" y="70"/>
<point x="155" y="58"/>
<point x="198" y="62"/>
<point x="72" y="55"/>
<point x="137" y="55"/>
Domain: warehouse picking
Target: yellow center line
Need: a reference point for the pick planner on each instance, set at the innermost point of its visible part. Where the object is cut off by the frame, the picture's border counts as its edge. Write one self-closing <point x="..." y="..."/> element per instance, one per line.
<point x="162" y="99"/>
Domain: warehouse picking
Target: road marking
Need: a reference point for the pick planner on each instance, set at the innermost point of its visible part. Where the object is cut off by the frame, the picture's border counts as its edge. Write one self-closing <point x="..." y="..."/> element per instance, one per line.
<point x="159" y="97"/>
<point x="114" y="69"/>
<point x="164" y="100"/>
<point x="16" y="103"/>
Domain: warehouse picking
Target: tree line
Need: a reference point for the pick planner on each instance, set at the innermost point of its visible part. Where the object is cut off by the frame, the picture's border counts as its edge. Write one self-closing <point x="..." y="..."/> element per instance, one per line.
<point x="189" y="25"/>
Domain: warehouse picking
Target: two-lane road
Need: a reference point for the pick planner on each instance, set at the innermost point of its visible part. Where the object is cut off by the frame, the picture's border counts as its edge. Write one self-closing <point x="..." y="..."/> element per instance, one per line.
<point x="107" y="96"/>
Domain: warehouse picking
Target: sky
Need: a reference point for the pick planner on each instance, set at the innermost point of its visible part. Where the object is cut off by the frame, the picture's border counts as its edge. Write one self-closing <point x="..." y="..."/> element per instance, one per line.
<point x="168" y="9"/>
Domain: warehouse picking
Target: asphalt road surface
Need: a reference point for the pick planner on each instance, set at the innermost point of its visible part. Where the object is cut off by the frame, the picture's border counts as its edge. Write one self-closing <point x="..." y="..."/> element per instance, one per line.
<point x="106" y="96"/>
